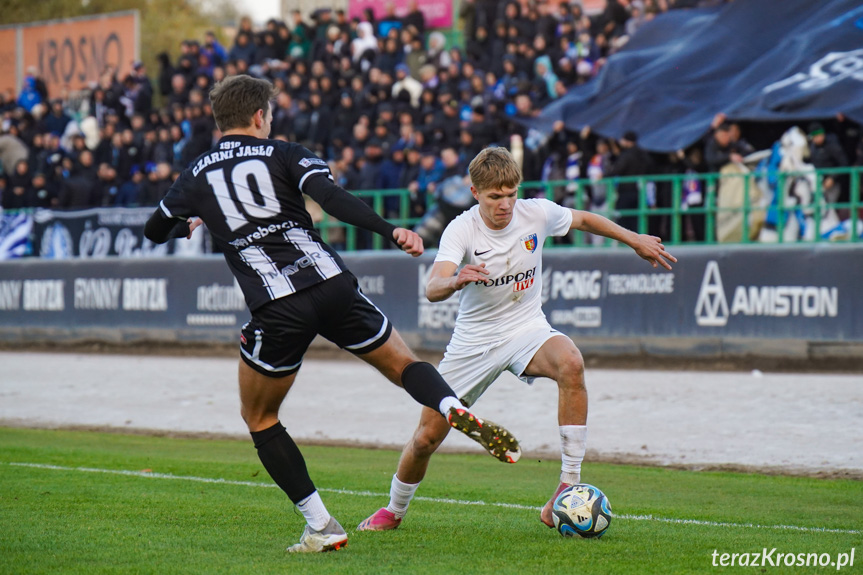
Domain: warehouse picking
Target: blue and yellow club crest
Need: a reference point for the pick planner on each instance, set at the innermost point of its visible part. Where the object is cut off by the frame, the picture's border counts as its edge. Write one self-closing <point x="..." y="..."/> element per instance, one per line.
<point x="529" y="243"/>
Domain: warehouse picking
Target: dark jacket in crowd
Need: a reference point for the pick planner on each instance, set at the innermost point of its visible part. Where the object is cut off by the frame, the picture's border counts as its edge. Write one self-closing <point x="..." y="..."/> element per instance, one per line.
<point x="80" y="191"/>
<point x="829" y="154"/>
<point x="632" y="161"/>
<point x="717" y="156"/>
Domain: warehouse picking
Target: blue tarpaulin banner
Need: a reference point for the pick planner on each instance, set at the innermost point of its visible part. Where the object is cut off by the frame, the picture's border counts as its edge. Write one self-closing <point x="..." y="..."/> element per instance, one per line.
<point x="758" y="60"/>
<point x="92" y="233"/>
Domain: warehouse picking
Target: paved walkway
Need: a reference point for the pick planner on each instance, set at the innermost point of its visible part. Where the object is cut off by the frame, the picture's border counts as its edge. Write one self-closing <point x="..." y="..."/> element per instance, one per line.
<point x="797" y="423"/>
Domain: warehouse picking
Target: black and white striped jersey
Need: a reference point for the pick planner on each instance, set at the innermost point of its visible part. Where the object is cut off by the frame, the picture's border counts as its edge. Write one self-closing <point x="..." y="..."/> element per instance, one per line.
<point x="248" y="192"/>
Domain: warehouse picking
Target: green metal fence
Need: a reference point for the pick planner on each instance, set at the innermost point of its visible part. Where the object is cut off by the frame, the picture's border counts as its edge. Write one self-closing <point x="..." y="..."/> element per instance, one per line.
<point x="736" y="208"/>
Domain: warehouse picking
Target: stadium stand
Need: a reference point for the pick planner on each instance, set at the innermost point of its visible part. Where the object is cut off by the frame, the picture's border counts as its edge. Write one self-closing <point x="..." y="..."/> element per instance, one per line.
<point x="392" y="107"/>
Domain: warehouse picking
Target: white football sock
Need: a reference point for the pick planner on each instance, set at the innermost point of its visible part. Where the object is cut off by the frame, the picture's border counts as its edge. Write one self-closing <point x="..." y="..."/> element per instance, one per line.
<point x="313" y="509"/>
<point x="573" y="444"/>
<point x="400" y="496"/>
<point x="448" y="402"/>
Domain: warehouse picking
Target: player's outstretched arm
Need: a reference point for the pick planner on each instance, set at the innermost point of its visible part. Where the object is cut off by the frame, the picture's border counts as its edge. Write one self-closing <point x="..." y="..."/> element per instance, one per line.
<point x="648" y="247"/>
<point x="443" y="281"/>
<point x="408" y="241"/>
<point x="349" y="209"/>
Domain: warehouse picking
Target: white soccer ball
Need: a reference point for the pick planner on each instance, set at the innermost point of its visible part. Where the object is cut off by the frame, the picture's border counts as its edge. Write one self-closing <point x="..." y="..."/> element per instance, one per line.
<point x="581" y="510"/>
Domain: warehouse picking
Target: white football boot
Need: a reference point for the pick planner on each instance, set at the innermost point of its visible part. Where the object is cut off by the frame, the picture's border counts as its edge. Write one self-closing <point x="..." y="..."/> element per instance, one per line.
<point x="330" y="538"/>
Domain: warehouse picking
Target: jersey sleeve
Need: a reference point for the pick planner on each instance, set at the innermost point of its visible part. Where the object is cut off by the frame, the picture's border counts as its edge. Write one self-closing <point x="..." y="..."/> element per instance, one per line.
<point x="308" y="169"/>
<point x="558" y="219"/>
<point x="454" y="242"/>
<point x="304" y="165"/>
<point x="160" y="228"/>
<point x="169" y="219"/>
<point x="347" y="208"/>
<point x="175" y="204"/>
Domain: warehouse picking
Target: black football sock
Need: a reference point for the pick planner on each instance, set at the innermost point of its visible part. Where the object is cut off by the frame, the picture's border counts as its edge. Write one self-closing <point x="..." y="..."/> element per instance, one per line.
<point x="284" y="462"/>
<point x="423" y="382"/>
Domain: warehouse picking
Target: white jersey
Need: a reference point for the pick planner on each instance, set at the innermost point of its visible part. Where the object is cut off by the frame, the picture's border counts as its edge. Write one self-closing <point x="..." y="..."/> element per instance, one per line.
<point x="511" y="298"/>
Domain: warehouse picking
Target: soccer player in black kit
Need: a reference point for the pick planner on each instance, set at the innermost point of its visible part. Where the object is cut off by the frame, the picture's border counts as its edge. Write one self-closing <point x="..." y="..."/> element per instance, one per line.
<point x="248" y="191"/>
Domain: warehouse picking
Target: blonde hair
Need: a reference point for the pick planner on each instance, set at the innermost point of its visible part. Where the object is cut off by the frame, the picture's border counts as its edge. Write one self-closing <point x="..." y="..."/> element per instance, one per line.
<point x="494" y="169"/>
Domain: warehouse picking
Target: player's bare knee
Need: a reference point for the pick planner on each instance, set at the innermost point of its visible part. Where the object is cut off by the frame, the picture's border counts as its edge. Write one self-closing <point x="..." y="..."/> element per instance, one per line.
<point x="392" y="369"/>
<point x="401" y="363"/>
<point x="425" y="445"/>
<point x="392" y="373"/>
<point x="427" y="439"/>
<point x="571" y="371"/>
<point x="252" y="421"/>
<point x="257" y="420"/>
<point x="399" y="366"/>
<point x="398" y="350"/>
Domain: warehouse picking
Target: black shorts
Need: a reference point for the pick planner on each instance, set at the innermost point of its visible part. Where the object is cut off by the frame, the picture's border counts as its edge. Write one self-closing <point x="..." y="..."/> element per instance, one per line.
<point x="274" y="341"/>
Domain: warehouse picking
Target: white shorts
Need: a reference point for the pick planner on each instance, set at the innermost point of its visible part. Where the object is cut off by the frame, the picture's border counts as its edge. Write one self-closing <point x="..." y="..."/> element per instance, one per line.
<point x="470" y="370"/>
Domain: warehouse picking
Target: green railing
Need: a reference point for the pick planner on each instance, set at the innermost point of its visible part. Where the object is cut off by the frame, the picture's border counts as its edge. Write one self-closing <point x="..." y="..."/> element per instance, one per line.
<point x="735" y="208"/>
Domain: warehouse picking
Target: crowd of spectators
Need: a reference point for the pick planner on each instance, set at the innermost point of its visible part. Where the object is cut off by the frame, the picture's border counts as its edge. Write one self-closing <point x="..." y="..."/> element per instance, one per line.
<point x="384" y="100"/>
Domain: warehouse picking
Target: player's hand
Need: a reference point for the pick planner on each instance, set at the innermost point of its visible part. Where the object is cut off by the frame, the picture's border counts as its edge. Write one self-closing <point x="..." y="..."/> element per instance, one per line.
<point x="194" y="223"/>
<point x="408" y="241"/>
<point x="651" y="249"/>
<point x="469" y="274"/>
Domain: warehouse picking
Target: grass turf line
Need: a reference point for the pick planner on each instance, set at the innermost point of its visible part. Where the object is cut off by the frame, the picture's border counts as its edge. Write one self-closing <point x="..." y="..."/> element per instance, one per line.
<point x="463" y="502"/>
<point x="72" y="522"/>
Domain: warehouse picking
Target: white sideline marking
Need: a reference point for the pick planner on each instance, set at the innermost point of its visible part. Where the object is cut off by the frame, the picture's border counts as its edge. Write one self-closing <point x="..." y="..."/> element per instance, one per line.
<point x="154" y="475"/>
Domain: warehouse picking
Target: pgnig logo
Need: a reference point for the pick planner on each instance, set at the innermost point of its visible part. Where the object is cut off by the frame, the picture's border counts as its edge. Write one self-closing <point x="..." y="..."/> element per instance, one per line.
<point x="712" y="309"/>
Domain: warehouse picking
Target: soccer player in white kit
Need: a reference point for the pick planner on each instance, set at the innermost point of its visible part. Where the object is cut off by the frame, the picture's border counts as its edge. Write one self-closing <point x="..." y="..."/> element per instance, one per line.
<point x="497" y="245"/>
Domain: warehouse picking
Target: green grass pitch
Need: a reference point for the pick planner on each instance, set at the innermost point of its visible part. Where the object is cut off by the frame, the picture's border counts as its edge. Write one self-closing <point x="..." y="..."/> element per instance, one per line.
<point x="89" y="503"/>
